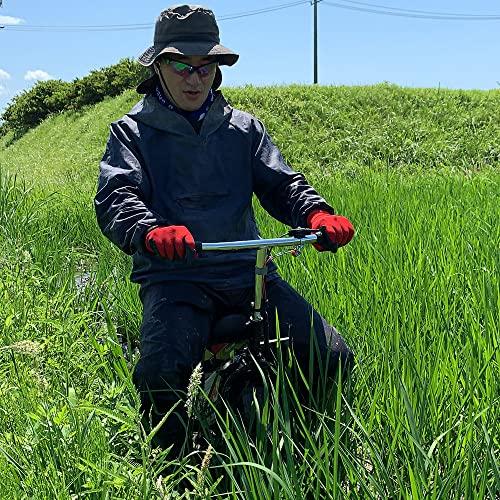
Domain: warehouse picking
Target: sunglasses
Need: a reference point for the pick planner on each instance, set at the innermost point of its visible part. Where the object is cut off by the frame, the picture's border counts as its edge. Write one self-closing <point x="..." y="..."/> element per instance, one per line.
<point x="185" y="70"/>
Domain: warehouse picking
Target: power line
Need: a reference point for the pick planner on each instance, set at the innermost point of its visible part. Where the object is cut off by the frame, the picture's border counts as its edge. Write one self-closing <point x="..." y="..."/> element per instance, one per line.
<point x="449" y="14"/>
<point x="425" y="15"/>
<point x="144" y="26"/>
<point x="263" y="11"/>
<point x="363" y="7"/>
<point x="29" y="26"/>
<point x="70" y="29"/>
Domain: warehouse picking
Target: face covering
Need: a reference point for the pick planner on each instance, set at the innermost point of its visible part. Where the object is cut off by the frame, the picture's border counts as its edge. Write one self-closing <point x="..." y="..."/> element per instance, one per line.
<point x="194" y="117"/>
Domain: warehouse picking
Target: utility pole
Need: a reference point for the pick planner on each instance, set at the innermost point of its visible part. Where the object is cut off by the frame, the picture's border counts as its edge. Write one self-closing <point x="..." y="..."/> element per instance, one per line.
<point x="315" y="41"/>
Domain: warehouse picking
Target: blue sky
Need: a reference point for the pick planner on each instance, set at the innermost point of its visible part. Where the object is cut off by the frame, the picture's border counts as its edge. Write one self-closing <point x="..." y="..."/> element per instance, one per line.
<point x="355" y="48"/>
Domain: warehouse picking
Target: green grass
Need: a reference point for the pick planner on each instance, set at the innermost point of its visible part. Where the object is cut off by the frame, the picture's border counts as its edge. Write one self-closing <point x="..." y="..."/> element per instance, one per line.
<point x="321" y="131"/>
<point x="416" y="295"/>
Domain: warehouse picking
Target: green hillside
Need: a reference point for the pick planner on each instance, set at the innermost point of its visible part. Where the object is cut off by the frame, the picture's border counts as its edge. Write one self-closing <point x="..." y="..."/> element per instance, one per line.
<point x="416" y="295"/>
<point x="321" y="131"/>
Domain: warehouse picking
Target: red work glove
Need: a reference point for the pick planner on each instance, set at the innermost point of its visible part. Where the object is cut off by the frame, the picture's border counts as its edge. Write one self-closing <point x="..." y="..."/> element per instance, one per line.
<point x="169" y="242"/>
<point x="339" y="230"/>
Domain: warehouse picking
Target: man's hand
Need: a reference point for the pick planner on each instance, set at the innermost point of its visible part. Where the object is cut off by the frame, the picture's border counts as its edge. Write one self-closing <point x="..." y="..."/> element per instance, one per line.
<point x="169" y="242"/>
<point x="338" y="230"/>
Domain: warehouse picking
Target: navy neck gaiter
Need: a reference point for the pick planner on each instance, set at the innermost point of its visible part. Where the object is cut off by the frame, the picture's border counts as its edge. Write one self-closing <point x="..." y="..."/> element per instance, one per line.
<point x="196" y="117"/>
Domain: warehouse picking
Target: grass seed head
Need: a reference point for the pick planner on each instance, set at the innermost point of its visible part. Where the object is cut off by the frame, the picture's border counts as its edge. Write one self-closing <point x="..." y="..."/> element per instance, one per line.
<point x="205" y="464"/>
<point x="27" y="347"/>
<point x="194" y="389"/>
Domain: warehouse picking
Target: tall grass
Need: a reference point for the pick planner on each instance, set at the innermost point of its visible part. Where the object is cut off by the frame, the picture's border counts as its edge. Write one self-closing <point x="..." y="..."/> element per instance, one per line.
<point x="416" y="295"/>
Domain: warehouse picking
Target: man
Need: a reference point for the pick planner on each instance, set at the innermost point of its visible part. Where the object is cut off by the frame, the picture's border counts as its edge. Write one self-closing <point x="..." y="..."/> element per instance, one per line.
<point x="181" y="166"/>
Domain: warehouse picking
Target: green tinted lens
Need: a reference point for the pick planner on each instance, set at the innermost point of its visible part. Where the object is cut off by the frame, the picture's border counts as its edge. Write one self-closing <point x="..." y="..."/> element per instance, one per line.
<point x="185" y="70"/>
<point x="180" y="68"/>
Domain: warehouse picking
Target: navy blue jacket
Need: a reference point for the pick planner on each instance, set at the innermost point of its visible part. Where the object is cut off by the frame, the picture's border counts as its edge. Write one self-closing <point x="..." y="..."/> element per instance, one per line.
<point x="158" y="171"/>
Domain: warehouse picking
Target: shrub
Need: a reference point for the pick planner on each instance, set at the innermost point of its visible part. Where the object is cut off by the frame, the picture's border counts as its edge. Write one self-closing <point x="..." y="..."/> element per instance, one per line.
<point x="32" y="106"/>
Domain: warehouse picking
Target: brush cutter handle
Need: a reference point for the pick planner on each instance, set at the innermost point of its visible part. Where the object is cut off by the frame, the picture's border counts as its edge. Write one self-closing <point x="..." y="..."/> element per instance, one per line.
<point x="298" y="236"/>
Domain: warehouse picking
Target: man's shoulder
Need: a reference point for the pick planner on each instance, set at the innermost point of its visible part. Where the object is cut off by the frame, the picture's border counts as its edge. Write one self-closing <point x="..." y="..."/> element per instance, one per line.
<point x="244" y="121"/>
<point x="138" y="109"/>
<point x="136" y="118"/>
<point x="241" y="115"/>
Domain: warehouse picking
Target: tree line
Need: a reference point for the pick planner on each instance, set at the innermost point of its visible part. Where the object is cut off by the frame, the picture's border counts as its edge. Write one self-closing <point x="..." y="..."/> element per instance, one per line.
<point x="29" y="108"/>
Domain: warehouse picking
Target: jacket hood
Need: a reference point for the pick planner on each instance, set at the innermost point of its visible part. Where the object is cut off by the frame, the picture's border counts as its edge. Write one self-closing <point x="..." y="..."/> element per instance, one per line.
<point x="150" y="112"/>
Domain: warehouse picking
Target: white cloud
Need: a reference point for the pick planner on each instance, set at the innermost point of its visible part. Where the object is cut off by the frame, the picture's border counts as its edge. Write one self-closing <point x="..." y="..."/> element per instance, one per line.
<point x="10" y="21"/>
<point x="3" y="89"/>
<point x="37" y="74"/>
<point x="4" y="75"/>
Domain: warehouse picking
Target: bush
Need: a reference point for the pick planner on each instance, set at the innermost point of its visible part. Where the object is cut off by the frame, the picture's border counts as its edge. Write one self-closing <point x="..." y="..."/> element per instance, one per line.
<point x="32" y="106"/>
<point x="106" y="82"/>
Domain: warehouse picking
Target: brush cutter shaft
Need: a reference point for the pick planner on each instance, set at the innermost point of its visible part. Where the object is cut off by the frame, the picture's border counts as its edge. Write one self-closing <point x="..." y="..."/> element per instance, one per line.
<point x="297" y="237"/>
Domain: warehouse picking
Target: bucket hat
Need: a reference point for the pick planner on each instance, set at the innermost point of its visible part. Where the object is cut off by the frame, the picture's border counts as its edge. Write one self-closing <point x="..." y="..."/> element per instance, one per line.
<point x="189" y="30"/>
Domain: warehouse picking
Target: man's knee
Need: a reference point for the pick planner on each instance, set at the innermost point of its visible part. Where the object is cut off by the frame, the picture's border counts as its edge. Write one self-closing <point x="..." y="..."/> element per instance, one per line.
<point x="339" y="354"/>
<point x="162" y="384"/>
<point x="330" y="360"/>
<point x="162" y="377"/>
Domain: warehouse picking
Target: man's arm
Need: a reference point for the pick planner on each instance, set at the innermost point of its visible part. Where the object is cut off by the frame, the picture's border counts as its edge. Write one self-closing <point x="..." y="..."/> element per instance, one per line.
<point x="123" y="186"/>
<point x="284" y="193"/>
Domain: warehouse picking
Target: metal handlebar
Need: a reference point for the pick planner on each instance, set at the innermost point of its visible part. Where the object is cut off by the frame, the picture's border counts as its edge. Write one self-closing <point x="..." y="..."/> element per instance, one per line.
<point x="261" y="243"/>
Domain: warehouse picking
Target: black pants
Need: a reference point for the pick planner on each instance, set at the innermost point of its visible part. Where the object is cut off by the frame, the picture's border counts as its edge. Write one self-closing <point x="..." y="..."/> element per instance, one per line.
<point x="176" y="328"/>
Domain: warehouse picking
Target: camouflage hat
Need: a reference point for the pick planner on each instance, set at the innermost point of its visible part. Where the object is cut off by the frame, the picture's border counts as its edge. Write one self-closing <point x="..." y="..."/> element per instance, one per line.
<point x="189" y="30"/>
